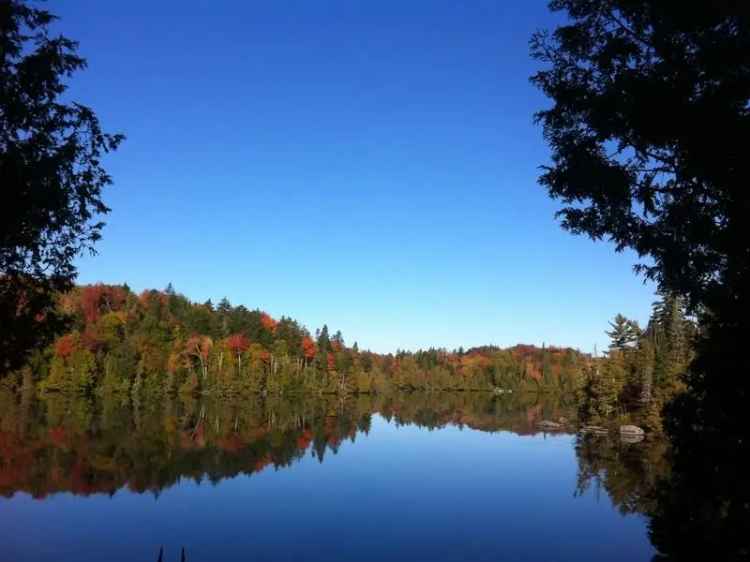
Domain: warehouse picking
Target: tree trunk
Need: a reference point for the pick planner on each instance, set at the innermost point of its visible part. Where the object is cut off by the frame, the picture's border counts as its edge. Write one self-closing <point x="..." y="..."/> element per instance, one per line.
<point x="645" y="397"/>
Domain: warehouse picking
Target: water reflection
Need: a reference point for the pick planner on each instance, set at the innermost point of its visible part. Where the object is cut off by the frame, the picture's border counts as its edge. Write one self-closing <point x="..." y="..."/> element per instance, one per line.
<point x="504" y="492"/>
<point x="71" y="444"/>
<point x="628" y="472"/>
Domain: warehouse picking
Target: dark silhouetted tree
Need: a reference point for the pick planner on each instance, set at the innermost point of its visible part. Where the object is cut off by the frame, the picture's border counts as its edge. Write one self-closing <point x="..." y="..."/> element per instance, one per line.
<point x="648" y="129"/>
<point x="51" y="168"/>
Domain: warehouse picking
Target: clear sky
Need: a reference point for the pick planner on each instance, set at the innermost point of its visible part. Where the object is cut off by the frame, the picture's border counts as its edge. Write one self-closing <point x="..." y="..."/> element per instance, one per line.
<point x="369" y="165"/>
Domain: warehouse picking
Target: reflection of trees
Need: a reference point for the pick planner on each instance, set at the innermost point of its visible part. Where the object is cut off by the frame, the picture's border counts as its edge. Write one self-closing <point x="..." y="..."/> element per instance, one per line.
<point x="693" y="506"/>
<point x="694" y="500"/>
<point x="64" y="444"/>
<point x="75" y="445"/>
<point x="702" y="511"/>
<point x="627" y="472"/>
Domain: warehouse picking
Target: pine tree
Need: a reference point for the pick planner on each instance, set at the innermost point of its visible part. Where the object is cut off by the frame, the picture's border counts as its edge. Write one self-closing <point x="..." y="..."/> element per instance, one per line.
<point x="624" y="333"/>
<point x="598" y="397"/>
<point x="669" y="331"/>
<point x="224" y="309"/>
<point x="324" y="347"/>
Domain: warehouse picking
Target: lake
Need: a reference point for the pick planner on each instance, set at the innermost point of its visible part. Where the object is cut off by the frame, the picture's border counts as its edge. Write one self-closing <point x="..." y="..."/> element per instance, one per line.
<point x="433" y="477"/>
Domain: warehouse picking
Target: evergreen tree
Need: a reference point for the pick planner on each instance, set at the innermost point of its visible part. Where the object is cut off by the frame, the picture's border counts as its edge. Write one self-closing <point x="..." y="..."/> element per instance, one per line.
<point x="324" y="348"/>
<point x="324" y="340"/>
<point x="670" y="332"/>
<point x="597" y="398"/>
<point x="644" y="369"/>
<point x="624" y="333"/>
<point x="224" y="310"/>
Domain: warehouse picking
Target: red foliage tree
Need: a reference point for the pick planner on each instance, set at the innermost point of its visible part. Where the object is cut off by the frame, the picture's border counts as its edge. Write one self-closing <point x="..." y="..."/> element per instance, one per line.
<point x="65" y="346"/>
<point x="99" y="298"/>
<point x="265" y="356"/>
<point x="238" y="343"/>
<point x="308" y="348"/>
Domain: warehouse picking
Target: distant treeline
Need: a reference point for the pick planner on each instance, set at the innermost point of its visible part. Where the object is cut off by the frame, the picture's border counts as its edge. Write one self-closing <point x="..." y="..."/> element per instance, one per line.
<point x="160" y="343"/>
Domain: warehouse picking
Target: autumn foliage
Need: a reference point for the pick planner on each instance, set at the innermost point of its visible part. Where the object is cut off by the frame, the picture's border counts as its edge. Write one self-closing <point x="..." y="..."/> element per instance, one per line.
<point x="98" y="299"/>
<point x="159" y="343"/>
<point x="308" y="348"/>
<point x="268" y="322"/>
<point x="238" y="343"/>
<point x="65" y="346"/>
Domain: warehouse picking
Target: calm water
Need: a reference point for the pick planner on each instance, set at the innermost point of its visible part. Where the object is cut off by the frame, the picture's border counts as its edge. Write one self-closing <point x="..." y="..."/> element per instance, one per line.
<point x="433" y="478"/>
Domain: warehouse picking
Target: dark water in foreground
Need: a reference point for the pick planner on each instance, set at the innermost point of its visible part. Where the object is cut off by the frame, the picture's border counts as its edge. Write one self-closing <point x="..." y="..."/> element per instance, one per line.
<point x="435" y="477"/>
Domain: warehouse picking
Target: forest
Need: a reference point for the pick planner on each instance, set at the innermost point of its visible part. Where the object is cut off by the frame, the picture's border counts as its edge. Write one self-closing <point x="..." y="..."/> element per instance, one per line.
<point x="158" y="343"/>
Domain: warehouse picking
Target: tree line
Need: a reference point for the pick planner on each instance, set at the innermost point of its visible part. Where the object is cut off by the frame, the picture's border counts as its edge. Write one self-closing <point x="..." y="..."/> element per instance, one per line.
<point x="160" y="343"/>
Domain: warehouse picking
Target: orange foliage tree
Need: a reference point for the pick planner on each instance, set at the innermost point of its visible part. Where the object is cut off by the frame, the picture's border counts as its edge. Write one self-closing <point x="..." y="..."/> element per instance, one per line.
<point x="65" y="346"/>
<point x="308" y="349"/>
<point x="199" y="347"/>
<point x="267" y="322"/>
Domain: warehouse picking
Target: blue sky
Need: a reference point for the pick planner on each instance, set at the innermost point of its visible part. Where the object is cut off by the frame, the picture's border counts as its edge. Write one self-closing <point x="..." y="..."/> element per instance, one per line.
<point x="369" y="165"/>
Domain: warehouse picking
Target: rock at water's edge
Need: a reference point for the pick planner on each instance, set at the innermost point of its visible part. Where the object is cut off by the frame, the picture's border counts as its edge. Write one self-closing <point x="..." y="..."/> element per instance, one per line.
<point x="595" y="429"/>
<point x="631" y="430"/>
